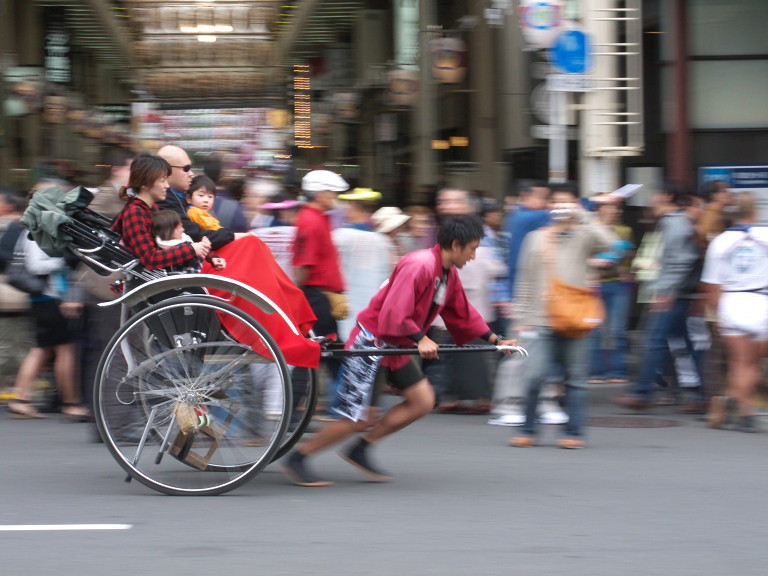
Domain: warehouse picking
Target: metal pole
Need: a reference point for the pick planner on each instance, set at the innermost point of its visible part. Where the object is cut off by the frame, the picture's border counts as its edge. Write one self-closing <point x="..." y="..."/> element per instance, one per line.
<point x="558" y="143"/>
<point x="425" y="168"/>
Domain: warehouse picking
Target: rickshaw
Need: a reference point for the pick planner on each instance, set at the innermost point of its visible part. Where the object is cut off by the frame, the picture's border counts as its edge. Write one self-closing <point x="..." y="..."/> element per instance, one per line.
<point x="178" y="400"/>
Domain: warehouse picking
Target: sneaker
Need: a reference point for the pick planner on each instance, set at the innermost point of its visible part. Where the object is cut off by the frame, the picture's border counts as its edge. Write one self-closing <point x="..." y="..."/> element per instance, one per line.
<point x="358" y="457"/>
<point x="508" y="420"/>
<point x="553" y="418"/>
<point x="522" y="441"/>
<point x="297" y="472"/>
<point x="571" y="443"/>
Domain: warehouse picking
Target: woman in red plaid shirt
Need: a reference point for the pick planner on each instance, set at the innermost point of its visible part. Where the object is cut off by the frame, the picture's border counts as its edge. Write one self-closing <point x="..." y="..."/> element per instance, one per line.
<point x="147" y="184"/>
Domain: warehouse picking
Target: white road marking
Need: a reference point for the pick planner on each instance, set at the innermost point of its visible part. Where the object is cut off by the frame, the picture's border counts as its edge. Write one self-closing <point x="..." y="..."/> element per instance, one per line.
<point x="61" y="527"/>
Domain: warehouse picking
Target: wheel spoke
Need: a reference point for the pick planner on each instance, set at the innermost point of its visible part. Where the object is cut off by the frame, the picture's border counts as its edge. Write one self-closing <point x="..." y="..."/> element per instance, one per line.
<point x="173" y="377"/>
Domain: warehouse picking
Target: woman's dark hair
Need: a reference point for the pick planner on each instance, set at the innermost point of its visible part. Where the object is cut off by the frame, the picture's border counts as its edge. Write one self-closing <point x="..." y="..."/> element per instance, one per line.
<point x="164" y="222"/>
<point x="236" y="188"/>
<point x="201" y="181"/>
<point x="12" y="197"/>
<point x="146" y="169"/>
<point x="464" y="228"/>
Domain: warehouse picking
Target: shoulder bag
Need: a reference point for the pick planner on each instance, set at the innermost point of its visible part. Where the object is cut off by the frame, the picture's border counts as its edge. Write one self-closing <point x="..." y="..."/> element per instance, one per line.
<point x="19" y="276"/>
<point x="573" y="311"/>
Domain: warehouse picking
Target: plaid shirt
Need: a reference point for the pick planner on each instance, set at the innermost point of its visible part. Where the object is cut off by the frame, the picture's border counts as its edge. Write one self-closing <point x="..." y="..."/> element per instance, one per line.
<point x="134" y="224"/>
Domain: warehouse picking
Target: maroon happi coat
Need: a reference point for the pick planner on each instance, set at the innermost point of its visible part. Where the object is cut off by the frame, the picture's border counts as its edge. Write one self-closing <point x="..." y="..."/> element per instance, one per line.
<point x="403" y="306"/>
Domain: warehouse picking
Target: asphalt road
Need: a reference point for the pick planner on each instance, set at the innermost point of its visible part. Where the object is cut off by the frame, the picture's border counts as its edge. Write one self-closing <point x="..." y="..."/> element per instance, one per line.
<point x="679" y="500"/>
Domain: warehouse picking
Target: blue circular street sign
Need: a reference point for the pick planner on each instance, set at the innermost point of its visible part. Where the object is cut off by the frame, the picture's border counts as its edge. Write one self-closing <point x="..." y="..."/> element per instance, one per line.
<point x="571" y="52"/>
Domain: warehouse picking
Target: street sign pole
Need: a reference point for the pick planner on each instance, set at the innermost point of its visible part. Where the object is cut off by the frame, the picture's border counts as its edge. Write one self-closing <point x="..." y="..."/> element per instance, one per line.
<point x="558" y="143"/>
<point x="571" y="53"/>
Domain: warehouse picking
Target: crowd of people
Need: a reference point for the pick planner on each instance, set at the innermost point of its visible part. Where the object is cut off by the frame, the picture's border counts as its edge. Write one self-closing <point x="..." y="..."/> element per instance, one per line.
<point x="694" y="283"/>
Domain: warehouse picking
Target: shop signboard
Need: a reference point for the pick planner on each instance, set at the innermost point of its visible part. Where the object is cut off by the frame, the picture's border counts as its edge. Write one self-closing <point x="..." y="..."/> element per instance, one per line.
<point x="752" y="178"/>
<point x="58" y="57"/>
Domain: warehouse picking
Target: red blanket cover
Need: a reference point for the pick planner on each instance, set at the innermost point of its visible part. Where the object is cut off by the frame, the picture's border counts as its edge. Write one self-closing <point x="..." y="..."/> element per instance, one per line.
<point x="250" y="261"/>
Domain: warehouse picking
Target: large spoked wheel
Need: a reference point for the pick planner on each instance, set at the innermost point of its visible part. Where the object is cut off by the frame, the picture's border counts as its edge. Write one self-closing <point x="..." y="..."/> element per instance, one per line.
<point x="179" y="396"/>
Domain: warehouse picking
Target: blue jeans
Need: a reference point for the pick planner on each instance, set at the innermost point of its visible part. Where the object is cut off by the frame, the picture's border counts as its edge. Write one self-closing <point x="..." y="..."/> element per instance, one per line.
<point x="570" y="354"/>
<point x="662" y="326"/>
<point x="611" y="361"/>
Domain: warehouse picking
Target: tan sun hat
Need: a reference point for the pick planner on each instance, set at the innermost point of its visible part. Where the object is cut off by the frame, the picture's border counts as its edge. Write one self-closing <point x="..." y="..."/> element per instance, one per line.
<point x="389" y="218"/>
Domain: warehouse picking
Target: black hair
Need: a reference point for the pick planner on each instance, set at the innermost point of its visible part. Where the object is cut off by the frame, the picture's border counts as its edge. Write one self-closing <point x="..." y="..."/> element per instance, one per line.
<point x="526" y="185"/>
<point x="12" y="197"/>
<point x="212" y="167"/>
<point x="236" y="188"/>
<point x="164" y="222"/>
<point x="117" y="157"/>
<point x="201" y="181"/>
<point x="567" y="187"/>
<point x="708" y="189"/>
<point x="145" y="170"/>
<point x="675" y="190"/>
<point x="490" y="205"/>
<point x="463" y="228"/>
<point x="685" y="200"/>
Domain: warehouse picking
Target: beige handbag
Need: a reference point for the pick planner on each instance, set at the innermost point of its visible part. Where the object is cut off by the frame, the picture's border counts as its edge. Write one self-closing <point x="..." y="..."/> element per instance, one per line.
<point x="11" y="299"/>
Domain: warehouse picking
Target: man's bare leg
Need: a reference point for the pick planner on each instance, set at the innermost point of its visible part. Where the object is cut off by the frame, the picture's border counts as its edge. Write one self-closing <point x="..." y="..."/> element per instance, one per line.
<point x="419" y="400"/>
<point x="332" y="433"/>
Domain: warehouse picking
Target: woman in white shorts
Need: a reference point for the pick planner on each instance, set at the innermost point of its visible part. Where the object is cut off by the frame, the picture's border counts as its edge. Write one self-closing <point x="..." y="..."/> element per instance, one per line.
<point x="736" y="280"/>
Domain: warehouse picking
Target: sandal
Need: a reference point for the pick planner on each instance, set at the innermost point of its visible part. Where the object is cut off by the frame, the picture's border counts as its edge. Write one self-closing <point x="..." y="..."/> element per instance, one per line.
<point x="75" y="411"/>
<point x="23" y="409"/>
<point x="447" y="408"/>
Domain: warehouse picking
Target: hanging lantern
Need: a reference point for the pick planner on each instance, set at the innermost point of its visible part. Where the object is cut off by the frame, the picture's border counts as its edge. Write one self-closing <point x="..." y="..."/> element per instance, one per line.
<point x="403" y="87"/>
<point x="540" y="21"/>
<point x="449" y="59"/>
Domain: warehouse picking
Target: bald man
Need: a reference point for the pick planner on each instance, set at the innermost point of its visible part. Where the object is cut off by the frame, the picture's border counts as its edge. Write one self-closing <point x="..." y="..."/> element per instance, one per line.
<point x="178" y="182"/>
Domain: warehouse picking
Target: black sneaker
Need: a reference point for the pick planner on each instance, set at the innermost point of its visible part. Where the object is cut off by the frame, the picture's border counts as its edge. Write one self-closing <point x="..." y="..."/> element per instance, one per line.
<point x="357" y="457"/>
<point x="294" y="468"/>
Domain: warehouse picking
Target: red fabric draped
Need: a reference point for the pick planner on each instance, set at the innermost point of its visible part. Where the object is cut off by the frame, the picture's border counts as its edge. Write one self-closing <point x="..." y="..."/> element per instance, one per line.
<point x="250" y="261"/>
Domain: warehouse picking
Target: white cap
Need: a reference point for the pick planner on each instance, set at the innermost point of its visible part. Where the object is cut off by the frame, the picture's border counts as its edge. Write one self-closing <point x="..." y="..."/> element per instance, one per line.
<point x="323" y="180"/>
<point x="389" y="218"/>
